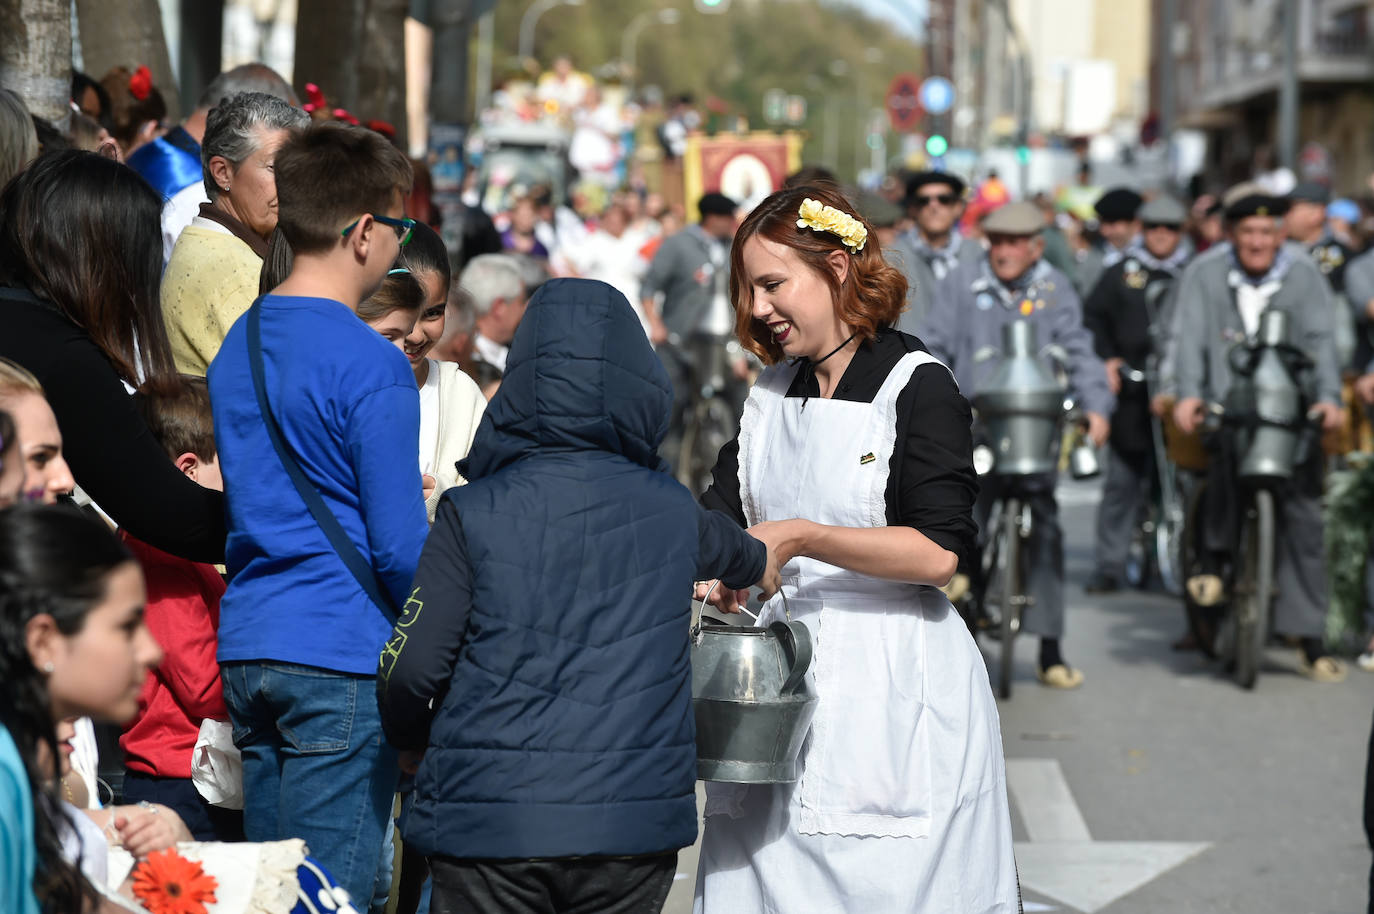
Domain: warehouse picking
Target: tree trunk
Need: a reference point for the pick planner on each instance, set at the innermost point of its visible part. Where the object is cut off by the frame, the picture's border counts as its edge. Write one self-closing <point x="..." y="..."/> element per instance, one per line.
<point x="36" y="56"/>
<point x="202" y="37"/>
<point x="128" y="34"/>
<point x="354" y="50"/>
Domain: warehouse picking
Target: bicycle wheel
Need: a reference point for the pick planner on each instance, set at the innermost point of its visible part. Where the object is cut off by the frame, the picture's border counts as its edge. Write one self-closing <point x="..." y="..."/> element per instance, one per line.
<point x="710" y="428"/>
<point x="1169" y="547"/>
<point x="1009" y="561"/>
<point x="1254" y="588"/>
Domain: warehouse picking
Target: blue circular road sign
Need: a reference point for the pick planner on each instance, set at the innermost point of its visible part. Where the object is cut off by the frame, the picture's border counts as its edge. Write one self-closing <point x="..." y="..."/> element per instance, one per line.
<point x="937" y="94"/>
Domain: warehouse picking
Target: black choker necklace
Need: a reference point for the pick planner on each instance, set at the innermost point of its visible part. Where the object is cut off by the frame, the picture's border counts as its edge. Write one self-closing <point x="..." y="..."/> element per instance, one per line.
<point x="809" y="369"/>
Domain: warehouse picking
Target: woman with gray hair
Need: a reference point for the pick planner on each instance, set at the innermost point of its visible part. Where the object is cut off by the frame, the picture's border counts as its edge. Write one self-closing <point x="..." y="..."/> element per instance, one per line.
<point x="18" y="140"/>
<point x="212" y="276"/>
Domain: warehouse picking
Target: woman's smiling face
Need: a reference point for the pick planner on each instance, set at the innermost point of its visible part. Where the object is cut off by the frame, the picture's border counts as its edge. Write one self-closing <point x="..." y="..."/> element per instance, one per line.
<point x="793" y="299"/>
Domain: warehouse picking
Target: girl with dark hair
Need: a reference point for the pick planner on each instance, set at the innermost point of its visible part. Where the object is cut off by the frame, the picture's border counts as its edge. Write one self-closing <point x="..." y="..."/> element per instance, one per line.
<point x="72" y="642"/>
<point x="137" y="108"/>
<point x="451" y="404"/>
<point x="854" y="463"/>
<point x="80" y="263"/>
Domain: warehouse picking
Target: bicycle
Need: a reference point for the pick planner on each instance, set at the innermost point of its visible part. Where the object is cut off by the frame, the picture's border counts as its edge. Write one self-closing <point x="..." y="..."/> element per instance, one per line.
<point x="711" y="415"/>
<point x="1155" y="548"/>
<point x="1272" y="433"/>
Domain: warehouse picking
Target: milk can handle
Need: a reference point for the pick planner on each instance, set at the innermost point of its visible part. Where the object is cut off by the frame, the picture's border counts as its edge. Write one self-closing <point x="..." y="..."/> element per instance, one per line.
<point x="697" y="611"/>
<point x="795" y="639"/>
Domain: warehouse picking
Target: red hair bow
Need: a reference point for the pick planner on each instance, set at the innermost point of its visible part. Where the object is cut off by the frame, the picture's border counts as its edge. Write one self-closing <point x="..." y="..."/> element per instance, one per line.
<point x="141" y="83"/>
<point x="342" y="114"/>
<point x="316" y="99"/>
<point x="383" y="127"/>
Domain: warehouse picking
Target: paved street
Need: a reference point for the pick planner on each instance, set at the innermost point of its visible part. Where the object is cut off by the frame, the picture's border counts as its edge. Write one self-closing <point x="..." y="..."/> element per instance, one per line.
<point x="1160" y="786"/>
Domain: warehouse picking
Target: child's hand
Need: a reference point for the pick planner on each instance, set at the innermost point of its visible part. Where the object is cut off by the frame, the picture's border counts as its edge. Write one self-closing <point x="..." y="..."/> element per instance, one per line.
<point x="722" y="598"/>
<point x="145" y="829"/>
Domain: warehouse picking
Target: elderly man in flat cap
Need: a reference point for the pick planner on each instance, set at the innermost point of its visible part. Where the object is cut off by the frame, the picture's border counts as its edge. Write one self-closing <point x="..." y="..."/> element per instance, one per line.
<point x="1221" y="297"/>
<point x="934" y="248"/>
<point x="1011" y="282"/>
<point x="1306" y="225"/>
<point x="1119" y="226"/>
<point x="1125" y="312"/>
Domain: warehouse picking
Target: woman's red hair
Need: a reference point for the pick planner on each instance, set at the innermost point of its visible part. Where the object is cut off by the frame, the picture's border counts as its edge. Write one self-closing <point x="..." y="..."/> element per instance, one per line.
<point x="872" y="296"/>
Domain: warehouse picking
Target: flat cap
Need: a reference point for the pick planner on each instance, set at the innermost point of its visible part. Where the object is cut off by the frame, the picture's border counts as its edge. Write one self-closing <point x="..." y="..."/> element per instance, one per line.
<point x="1311" y="192"/>
<point x="922" y="178"/>
<point x="1163" y="210"/>
<point x="877" y="209"/>
<point x="1117" y="205"/>
<point x="1250" y="199"/>
<point x="1020" y="218"/>
<point x="714" y="204"/>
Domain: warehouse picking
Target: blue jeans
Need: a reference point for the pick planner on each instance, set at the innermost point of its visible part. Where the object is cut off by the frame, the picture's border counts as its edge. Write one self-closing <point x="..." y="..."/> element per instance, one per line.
<point x="315" y="766"/>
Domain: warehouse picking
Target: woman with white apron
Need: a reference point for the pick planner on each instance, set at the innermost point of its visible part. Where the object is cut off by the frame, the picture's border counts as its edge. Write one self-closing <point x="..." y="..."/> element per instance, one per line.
<point x="853" y="462"/>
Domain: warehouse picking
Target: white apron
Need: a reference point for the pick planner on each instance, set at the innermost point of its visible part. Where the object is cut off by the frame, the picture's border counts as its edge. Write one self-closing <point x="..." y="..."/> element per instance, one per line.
<point x="901" y="807"/>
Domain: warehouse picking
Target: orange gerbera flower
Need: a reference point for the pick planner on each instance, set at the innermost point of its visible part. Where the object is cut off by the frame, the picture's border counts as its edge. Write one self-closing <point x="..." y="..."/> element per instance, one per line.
<point x="168" y="883"/>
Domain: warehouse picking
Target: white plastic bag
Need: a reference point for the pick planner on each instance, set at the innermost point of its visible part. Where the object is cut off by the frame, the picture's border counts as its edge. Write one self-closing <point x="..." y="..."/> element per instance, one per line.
<point x="217" y="766"/>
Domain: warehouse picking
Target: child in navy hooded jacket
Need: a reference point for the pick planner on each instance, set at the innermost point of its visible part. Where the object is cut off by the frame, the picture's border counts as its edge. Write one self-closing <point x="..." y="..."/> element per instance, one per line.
<point x="541" y="663"/>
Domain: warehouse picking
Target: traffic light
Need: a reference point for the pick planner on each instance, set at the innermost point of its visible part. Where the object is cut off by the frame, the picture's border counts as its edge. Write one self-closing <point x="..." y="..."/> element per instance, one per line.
<point x="712" y="6"/>
<point x="936" y="146"/>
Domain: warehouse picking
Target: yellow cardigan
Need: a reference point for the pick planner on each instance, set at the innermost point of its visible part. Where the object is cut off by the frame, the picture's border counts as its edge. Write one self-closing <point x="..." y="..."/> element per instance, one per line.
<point x="210" y="281"/>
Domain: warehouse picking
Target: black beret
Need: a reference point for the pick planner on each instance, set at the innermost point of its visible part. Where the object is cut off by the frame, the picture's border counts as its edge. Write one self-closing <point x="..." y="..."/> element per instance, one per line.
<point x="1254" y="204"/>
<point x="922" y="178"/>
<point x="1311" y="192"/>
<point x="714" y="204"/>
<point x="1117" y="205"/>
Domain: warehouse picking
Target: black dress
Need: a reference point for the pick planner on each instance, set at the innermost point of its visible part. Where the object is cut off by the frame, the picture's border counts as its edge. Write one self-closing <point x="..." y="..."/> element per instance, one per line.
<point x="931" y="484"/>
<point x="112" y="454"/>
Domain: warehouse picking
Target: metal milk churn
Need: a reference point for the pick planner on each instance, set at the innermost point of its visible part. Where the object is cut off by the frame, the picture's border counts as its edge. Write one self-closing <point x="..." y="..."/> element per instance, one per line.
<point x="751" y="699"/>
<point x="1021" y="407"/>
<point x="1267" y="401"/>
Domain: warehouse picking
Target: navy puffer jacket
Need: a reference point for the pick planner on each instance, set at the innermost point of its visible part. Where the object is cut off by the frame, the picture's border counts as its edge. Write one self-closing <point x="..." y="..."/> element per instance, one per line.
<point x="549" y="618"/>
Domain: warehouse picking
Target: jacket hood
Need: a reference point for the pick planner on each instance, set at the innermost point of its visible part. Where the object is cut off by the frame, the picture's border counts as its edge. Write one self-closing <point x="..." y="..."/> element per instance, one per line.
<point x="580" y="376"/>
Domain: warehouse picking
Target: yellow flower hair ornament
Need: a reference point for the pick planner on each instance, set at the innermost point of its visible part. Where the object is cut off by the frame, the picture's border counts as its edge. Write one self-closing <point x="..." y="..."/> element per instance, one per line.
<point x="821" y="218"/>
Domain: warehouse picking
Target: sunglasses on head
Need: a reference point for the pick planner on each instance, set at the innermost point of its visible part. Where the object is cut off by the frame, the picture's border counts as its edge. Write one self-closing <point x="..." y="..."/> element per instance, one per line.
<point x="924" y="200"/>
<point x="404" y="227"/>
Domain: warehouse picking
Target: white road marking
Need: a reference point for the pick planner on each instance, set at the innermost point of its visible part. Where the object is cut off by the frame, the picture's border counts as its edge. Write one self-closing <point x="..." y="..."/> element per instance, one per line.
<point x="1039" y="790"/>
<point x="1062" y="860"/>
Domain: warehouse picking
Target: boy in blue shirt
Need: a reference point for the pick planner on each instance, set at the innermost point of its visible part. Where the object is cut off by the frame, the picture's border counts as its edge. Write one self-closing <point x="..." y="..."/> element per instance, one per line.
<point x="299" y="633"/>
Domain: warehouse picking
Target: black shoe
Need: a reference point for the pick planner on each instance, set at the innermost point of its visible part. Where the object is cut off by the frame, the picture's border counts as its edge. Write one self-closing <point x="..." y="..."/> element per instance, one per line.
<point x="1101" y="582"/>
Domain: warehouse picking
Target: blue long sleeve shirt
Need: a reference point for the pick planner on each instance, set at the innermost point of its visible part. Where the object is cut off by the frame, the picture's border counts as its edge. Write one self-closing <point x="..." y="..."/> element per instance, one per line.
<point x="349" y="410"/>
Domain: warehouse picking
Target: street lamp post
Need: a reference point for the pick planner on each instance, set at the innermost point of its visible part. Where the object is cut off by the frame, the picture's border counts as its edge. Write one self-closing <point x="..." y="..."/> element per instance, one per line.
<point x="531" y="17"/>
<point x="630" y="40"/>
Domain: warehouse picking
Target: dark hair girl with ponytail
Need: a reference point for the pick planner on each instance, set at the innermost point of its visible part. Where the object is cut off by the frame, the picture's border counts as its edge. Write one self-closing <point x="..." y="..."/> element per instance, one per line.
<point x="72" y="642"/>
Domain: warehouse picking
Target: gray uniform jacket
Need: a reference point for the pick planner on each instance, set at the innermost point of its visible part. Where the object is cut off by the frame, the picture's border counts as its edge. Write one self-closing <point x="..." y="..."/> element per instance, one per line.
<point x="1206" y="325"/>
<point x="971" y="307"/>
<point x="916" y="262"/>
<point x="683" y="270"/>
<point x="1359" y="289"/>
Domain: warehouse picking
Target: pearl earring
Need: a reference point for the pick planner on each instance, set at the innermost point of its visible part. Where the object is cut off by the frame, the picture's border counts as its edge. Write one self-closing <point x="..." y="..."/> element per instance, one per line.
<point x="48" y="667"/>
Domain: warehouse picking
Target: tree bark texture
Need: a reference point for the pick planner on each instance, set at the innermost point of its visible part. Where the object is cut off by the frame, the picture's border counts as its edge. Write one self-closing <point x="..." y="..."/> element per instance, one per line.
<point x="36" y="55"/>
<point x="354" y="50"/>
<point x="128" y="33"/>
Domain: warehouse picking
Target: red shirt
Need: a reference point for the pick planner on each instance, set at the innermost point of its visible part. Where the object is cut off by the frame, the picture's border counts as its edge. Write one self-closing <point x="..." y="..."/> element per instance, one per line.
<point x="183" y="615"/>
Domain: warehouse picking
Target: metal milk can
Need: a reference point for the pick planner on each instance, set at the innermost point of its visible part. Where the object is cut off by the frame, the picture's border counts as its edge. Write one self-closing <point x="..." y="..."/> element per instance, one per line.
<point x="1021" y="407"/>
<point x="751" y="699"/>
<point x="1267" y="399"/>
